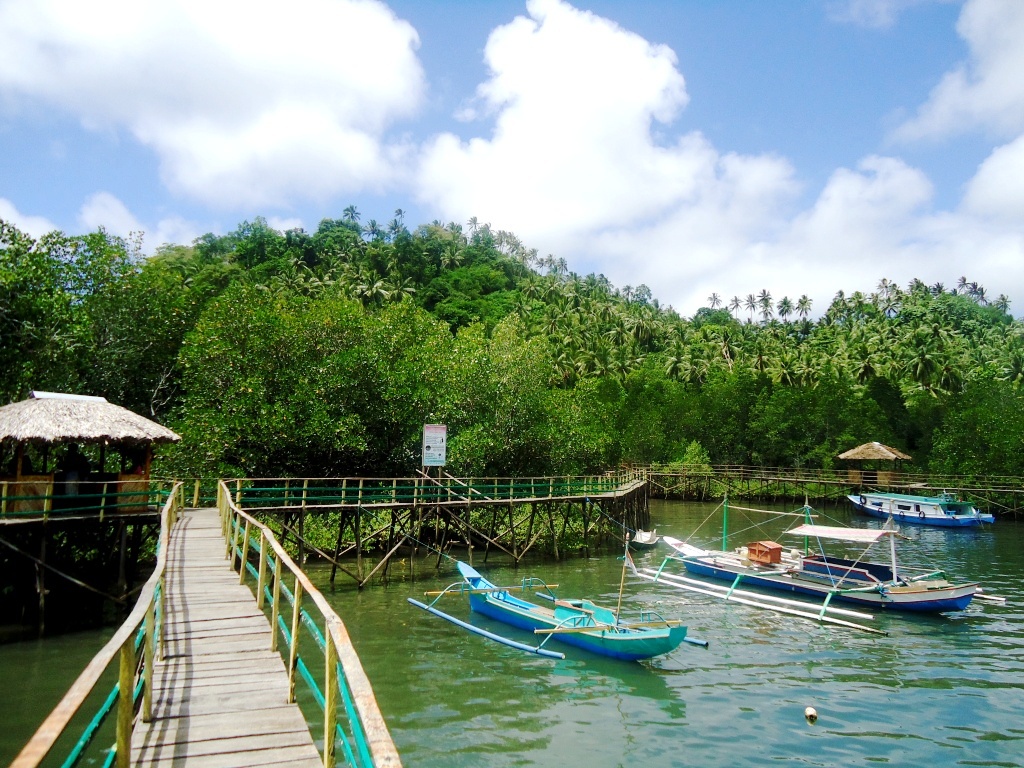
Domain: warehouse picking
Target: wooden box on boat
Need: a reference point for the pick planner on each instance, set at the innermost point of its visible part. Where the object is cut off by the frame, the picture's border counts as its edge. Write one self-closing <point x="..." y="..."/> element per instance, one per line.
<point x="765" y="552"/>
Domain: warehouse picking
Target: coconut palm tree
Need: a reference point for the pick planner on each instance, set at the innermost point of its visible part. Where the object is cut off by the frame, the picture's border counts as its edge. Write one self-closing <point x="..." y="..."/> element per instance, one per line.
<point x="714" y="301"/>
<point x="750" y="304"/>
<point x="803" y="306"/>
<point x="764" y="301"/>
<point x="785" y="308"/>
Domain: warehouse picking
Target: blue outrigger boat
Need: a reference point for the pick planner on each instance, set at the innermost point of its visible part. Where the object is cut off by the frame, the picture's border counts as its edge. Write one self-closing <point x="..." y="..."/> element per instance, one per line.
<point x="944" y="510"/>
<point x="580" y="623"/>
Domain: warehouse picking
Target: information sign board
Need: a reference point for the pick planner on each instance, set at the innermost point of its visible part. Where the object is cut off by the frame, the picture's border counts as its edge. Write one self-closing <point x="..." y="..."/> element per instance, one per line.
<point x="435" y="441"/>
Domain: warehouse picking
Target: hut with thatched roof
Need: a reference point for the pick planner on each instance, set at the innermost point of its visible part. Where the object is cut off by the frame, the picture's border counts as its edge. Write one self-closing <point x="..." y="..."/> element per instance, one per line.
<point x="49" y="420"/>
<point x="875" y="453"/>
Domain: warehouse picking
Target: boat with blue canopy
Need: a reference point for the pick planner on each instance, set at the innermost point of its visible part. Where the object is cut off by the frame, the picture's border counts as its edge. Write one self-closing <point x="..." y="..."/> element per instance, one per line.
<point x="577" y="622"/>
<point x="946" y="509"/>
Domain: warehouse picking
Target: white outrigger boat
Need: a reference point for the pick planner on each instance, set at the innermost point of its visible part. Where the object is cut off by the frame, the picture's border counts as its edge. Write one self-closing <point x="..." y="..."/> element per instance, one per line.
<point x="944" y="510"/>
<point x="769" y="565"/>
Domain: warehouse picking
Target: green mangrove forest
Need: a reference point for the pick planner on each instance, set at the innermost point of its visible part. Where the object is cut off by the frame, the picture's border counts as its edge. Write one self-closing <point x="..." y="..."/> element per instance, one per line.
<point x="323" y="353"/>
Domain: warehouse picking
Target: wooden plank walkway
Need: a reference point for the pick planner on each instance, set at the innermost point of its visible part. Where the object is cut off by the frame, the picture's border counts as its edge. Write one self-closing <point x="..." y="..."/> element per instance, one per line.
<point x="220" y="693"/>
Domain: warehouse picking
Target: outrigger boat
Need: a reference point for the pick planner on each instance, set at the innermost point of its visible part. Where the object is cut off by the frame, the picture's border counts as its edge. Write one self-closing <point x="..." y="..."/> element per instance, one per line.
<point x="580" y="623"/>
<point x="943" y="510"/>
<point x="769" y="565"/>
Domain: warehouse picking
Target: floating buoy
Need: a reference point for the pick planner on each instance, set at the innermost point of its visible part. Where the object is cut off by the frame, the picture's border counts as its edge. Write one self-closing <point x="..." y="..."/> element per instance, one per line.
<point x="811" y="714"/>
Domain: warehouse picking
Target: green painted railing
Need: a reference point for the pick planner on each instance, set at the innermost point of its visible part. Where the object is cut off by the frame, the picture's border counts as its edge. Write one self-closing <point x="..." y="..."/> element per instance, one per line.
<point x="44" y="498"/>
<point x="142" y="630"/>
<point x="361" y="731"/>
<point x="325" y="493"/>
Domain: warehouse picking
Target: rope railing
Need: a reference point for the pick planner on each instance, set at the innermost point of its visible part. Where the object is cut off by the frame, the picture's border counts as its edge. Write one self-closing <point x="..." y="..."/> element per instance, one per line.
<point x="362" y="732"/>
<point x="143" y="629"/>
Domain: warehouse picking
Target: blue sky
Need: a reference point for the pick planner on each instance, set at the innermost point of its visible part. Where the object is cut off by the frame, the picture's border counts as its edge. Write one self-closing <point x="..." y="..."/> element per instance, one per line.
<point x="802" y="147"/>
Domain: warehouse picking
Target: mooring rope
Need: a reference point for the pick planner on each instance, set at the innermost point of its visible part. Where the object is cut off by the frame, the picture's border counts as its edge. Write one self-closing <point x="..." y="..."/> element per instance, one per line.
<point x="413" y="539"/>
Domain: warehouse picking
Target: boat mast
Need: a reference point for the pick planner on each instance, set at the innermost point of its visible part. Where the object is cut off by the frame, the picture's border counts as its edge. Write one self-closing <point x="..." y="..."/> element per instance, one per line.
<point x="892" y="547"/>
<point x="725" y="522"/>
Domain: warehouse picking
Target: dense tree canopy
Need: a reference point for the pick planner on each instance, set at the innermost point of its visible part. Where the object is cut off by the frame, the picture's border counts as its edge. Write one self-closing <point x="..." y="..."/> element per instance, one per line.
<point x="324" y="353"/>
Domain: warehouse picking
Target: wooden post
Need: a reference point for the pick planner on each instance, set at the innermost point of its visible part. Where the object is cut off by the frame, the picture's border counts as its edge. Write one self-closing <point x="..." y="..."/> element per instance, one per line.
<point x="148" y="643"/>
<point x="293" y="646"/>
<point x="195" y="495"/>
<point x="275" y="610"/>
<point x="359" y="532"/>
<point x="245" y="555"/>
<point x="261" y="582"/>
<point x="125" y="703"/>
<point x="41" y="579"/>
<point x="330" y="696"/>
<point x="236" y="524"/>
<point x="302" y="525"/>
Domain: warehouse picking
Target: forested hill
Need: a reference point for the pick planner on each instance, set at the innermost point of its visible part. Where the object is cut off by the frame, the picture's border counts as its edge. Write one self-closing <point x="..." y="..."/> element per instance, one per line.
<point x="324" y="353"/>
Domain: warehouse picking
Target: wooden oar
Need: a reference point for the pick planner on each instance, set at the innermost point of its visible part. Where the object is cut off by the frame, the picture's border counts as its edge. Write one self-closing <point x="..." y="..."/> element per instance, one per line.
<point x="491" y="589"/>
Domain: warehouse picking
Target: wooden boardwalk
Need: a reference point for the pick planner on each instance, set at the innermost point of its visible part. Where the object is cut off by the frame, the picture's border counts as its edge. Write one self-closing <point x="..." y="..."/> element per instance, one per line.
<point x="219" y="694"/>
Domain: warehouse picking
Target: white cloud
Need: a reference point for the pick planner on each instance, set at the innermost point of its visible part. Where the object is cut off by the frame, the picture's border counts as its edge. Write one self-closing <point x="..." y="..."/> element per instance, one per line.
<point x="248" y="105"/>
<point x="103" y="209"/>
<point x="573" y="167"/>
<point x="34" y="226"/>
<point x="283" y="224"/>
<point x="873" y="14"/>
<point x="997" y="189"/>
<point x="575" y="97"/>
<point x="987" y="91"/>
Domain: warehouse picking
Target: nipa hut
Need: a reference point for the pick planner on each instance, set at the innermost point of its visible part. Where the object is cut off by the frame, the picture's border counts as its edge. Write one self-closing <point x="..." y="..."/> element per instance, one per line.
<point x="48" y="419"/>
<point x="874" y="453"/>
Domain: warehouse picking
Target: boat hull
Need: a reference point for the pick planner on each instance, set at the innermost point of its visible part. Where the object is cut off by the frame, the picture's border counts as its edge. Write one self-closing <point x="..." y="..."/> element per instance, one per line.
<point x="919" y="510"/>
<point x="613" y="642"/>
<point x="904" y="598"/>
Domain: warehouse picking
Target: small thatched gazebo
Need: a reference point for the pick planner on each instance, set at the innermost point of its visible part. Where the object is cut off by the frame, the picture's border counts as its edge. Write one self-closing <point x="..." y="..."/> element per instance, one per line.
<point x="46" y="419"/>
<point x="873" y="452"/>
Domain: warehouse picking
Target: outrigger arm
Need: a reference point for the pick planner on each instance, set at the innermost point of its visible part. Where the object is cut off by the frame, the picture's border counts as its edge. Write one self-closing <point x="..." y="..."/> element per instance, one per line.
<point x="489" y="635"/>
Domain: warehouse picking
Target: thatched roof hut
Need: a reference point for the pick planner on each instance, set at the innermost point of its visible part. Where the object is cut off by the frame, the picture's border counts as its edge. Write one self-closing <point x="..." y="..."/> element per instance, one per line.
<point x="50" y="418"/>
<point x="874" y="452"/>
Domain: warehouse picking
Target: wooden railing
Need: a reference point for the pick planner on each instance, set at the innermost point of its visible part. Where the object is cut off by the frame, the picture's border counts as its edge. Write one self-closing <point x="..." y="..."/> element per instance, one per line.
<point x="42" y="497"/>
<point x="142" y="629"/>
<point x="365" y="739"/>
<point x="840" y="476"/>
<point x="325" y="493"/>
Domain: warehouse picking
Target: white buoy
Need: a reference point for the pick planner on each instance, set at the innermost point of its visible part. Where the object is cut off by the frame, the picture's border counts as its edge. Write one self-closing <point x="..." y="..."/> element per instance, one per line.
<point x="811" y="714"/>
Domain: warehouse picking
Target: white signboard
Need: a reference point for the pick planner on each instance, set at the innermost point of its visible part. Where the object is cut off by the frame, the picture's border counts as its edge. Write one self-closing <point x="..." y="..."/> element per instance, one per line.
<point x="435" y="440"/>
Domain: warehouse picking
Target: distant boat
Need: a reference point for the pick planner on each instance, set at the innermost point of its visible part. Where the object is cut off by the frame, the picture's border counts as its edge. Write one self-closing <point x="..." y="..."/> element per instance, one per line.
<point x="943" y="510"/>
<point x="769" y="565"/>
<point x="645" y="540"/>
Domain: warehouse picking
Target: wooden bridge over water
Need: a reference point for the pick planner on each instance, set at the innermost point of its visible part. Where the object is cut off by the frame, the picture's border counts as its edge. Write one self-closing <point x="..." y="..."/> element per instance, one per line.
<point x="207" y="669"/>
<point x="200" y="678"/>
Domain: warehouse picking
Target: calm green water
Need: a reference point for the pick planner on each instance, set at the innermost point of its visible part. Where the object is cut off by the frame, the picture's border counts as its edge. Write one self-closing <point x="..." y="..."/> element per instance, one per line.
<point x="936" y="691"/>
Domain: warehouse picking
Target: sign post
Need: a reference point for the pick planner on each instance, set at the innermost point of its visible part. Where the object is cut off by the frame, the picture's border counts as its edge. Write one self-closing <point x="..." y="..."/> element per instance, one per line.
<point x="435" y="443"/>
